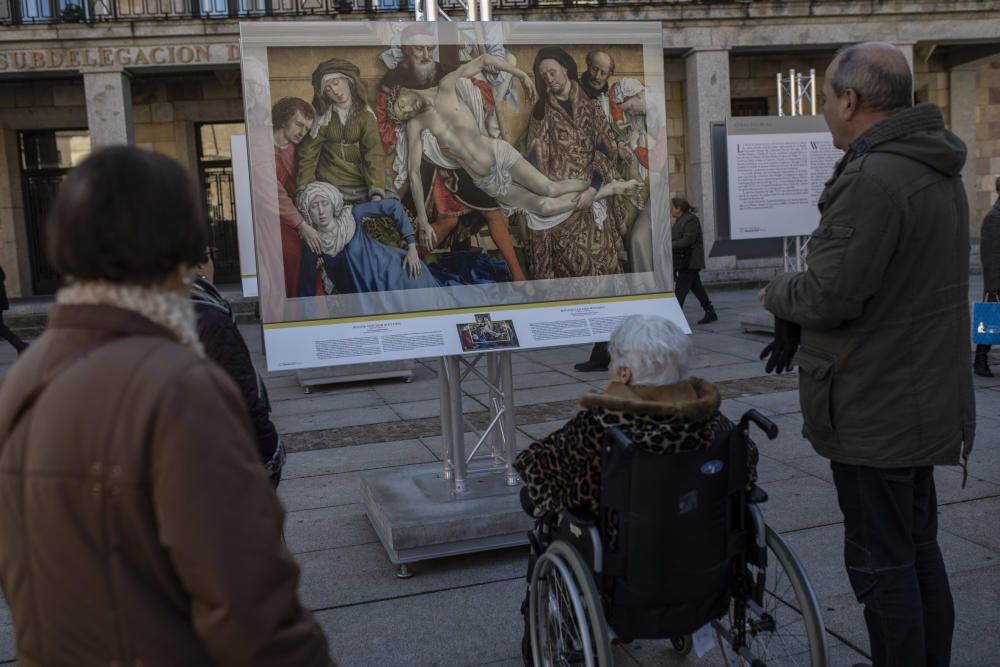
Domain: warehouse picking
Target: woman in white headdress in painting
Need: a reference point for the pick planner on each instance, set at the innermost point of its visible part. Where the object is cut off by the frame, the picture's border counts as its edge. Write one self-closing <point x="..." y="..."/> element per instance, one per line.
<point x="352" y="261"/>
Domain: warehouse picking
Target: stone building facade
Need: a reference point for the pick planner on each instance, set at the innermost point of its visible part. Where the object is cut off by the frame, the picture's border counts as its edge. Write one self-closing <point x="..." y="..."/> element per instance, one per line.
<point x="164" y="74"/>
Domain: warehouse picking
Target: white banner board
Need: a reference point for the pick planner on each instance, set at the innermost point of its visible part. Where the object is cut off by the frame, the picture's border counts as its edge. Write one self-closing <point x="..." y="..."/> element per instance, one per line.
<point x="778" y="167"/>
<point x="244" y="214"/>
<point x="379" y="238"/>
<point x="463" y="331"/>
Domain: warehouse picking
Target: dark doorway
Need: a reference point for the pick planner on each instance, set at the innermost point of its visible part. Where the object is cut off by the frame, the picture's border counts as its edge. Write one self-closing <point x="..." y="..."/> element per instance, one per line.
<point x="215" y="171"/>
<point x="749" y="106"/>
<point x="46" y="157"/>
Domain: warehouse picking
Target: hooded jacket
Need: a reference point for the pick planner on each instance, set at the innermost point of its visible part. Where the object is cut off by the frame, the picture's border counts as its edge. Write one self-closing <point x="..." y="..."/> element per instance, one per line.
<point x="884" y="373"/>
<point x="564" y="469"/>
<point x="224" y="345"/>
<point x="685" y="232"/>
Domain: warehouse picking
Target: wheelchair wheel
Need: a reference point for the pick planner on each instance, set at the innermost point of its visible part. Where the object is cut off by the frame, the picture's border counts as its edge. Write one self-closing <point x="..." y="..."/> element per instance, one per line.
<point x="786" y="626"/>
<point x="565" y="613"/>
<point x="683" y="645"/>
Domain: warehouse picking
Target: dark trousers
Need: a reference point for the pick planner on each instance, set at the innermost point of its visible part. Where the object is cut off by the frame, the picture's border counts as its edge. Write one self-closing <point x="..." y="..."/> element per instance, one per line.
<point x="10" y="336"/>
<point x="689" y="280"/>
<point x="894" y="563"/>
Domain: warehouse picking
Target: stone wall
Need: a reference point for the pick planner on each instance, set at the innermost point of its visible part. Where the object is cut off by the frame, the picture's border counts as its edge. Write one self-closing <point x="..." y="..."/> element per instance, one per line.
<point x="987" y="153"/>
<point x="28" y="105"/>
<point x="673" y="88"/>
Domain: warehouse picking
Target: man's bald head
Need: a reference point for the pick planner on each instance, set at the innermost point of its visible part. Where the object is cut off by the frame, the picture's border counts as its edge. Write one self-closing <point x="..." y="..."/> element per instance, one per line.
<point x="877" y="72"/>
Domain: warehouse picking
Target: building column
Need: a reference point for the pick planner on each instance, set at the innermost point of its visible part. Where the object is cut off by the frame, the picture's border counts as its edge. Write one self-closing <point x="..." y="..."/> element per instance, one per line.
<point x="109" y="108"/>
<point x="707" y="100"/>
<point x="962" y="113"/>
<point x="907" y="49"/>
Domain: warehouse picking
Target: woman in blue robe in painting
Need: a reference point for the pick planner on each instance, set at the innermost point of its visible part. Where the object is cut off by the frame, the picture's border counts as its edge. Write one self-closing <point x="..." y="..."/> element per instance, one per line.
<point x="352" y="261"/>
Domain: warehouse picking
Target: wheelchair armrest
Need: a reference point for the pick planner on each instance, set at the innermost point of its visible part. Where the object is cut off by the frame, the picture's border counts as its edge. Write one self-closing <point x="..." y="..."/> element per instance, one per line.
<point x="579" y="528"/>
<point x="581" y="517"/>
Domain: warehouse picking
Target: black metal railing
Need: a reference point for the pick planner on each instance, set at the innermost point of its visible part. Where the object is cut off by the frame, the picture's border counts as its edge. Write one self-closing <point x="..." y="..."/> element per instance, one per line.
<point x="19" y="12"/>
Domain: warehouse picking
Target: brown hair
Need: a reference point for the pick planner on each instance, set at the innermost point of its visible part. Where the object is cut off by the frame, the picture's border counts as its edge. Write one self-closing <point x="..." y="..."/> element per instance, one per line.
<point x="126" y="215"/>
<point x="285" y="108"/>
<point x="683" y="204"/>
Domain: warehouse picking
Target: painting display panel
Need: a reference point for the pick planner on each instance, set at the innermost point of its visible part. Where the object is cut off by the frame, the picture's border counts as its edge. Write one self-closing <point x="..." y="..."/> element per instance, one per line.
<point x="416" y="170"/>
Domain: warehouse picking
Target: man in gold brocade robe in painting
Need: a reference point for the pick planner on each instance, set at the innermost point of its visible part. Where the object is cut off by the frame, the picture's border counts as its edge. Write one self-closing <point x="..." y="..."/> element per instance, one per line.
<point x="569" y="137"/>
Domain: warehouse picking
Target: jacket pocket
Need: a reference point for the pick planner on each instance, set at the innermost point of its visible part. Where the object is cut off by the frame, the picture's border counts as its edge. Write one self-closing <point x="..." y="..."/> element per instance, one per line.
<point x="831" y="232"/>
<point x="815" y="389"/>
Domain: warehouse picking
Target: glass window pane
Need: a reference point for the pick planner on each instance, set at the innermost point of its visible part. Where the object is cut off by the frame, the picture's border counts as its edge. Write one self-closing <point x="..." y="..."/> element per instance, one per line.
<point x="59" y="149"/>
<point x="215" y="140"/>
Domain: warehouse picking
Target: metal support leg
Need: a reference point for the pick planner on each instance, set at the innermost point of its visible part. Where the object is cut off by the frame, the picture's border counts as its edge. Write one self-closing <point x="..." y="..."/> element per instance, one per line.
<point x="509" y="434"/>
<point x="445" y="382"/>
<point x="493" y="374"/>
<point x="403" y="572"/>
<point x="457" y="427"/>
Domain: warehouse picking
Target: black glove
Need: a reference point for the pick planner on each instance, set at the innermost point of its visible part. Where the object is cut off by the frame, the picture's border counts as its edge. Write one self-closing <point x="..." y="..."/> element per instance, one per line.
<point x="780" y="352"/>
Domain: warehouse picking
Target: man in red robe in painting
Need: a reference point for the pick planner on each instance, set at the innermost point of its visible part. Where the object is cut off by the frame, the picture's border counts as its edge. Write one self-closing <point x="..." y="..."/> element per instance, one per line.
<point x="291" y="118"/>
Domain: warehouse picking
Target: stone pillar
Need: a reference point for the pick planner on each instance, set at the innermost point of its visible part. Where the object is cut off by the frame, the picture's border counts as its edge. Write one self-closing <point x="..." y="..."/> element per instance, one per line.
<point x="706" y="100"/>
<point x="907" y="49"/>
<point x="962" y="113"/>
<point x="109" y="108"/>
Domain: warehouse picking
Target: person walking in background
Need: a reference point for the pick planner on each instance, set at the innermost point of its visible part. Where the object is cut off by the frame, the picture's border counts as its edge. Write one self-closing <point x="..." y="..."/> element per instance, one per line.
<point x="224" y="345"/>
<point x="5" y="331"/>
<point x="137" y="525"/>
<point x="989" y="252"/>
<point x="689" y="256"/>
<point x="882" y="314"/>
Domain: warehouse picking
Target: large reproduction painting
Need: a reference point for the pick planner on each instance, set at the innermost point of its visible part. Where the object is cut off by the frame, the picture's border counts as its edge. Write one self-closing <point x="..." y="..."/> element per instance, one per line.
<point x="408" y="178"/>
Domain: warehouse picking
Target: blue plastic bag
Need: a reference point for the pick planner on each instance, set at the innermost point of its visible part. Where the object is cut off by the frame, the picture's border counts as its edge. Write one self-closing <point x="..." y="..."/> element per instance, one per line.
<point x="986" y="323"/>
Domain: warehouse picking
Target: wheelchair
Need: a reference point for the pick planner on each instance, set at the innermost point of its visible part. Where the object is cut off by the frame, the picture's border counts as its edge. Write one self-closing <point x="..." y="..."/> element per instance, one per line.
<point x="679" y="542"/>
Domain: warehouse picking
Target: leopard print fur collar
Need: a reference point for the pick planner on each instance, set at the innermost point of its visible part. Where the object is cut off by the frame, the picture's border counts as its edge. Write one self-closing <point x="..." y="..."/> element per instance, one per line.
<point x="691" y="399"/>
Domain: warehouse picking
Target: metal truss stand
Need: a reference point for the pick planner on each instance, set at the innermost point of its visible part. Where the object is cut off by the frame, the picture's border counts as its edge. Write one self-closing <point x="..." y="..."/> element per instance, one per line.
<point x="499" y="433"/>
<point x="471" y="503"/>
<point x="468" y="502"/>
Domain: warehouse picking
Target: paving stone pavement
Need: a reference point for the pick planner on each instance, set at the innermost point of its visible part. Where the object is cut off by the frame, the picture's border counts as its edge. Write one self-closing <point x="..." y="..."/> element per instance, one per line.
<point x="464" y="610"/>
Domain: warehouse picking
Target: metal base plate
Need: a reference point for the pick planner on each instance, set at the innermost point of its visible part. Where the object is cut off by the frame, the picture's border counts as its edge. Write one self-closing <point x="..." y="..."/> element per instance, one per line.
<point x="417" y="516"/>
<point x="311" y="377"/>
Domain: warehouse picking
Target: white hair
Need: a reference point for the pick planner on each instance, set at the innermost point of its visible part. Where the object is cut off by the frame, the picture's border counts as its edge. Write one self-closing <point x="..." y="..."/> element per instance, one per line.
<point x="655" y="349"/>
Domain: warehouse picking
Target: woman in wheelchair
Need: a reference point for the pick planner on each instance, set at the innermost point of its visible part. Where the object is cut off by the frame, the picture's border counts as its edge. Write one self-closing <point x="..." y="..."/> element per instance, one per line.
<point x="650" y="399"/>
<point x="648" y="526"/>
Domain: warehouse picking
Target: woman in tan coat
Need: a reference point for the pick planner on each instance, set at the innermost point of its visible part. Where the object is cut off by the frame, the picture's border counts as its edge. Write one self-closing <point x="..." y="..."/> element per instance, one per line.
<point x="137" y="526"/>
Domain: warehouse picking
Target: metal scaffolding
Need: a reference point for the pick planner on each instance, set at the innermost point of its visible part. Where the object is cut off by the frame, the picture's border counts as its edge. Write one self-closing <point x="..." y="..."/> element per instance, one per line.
<point x="799" y="91"/>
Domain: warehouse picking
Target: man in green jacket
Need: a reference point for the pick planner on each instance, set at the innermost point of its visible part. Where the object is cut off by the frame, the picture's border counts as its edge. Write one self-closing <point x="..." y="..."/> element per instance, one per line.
<point x="884" y="378"/>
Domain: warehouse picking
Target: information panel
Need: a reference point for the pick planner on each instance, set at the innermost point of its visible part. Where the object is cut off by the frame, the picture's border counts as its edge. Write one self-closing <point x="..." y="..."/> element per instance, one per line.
<point x="778" y="167"/>
<point x="425" y="189"/>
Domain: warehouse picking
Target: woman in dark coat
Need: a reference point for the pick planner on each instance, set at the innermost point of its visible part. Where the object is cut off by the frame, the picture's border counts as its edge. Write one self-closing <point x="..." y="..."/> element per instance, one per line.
<point x="224" y="345"/>
<point x="989" y="252"/>
<point x="689" y="256"/>
<point x="5" y="331"/>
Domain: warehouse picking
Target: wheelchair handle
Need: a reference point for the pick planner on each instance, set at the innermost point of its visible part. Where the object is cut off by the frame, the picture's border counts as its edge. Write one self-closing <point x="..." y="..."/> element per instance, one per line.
<point x="769" y="428"/>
